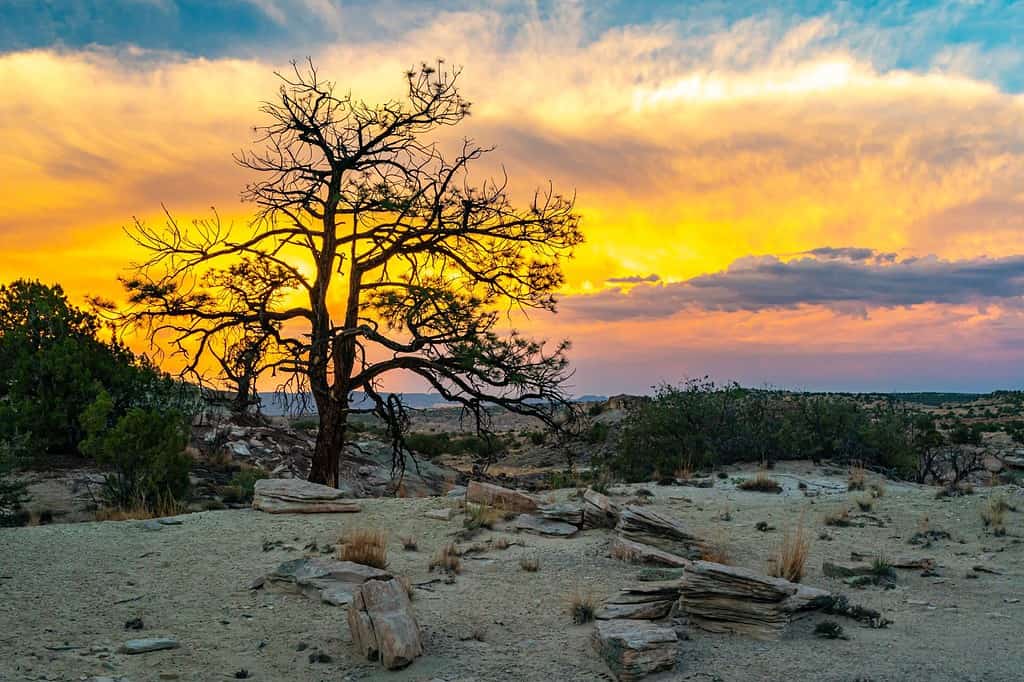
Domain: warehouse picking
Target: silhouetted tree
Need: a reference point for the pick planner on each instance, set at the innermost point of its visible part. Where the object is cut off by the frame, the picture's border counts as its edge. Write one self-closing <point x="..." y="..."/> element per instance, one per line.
<point x="378" y="254"/>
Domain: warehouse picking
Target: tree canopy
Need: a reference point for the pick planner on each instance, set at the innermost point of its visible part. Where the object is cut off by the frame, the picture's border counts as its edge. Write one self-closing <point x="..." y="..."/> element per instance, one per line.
<point x="372" y="250"/>
<point x="53" y="364"/>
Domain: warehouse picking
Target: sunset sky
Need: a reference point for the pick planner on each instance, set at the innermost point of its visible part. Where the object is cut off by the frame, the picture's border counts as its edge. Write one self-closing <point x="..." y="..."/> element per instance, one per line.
<point x="805" y="196"/>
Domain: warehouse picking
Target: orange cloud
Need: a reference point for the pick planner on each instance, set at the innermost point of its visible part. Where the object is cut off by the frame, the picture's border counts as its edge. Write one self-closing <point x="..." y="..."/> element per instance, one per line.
<point x="681" y="166"/>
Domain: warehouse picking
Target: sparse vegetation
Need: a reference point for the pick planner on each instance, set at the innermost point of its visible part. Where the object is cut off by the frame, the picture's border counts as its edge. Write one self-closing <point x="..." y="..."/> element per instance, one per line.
<point x="529" y="563"/>
<point x="839" y="518"/>
<point x="365" y="546"/>
<point x="790" y="558"/>
<point x="447" y="559"/>
<point x="243" y="484"/>
<point x="409" y="543"/>
<point x="623" y="553"/>
<point x="715" y="551"/>
<point x="12" y="494"/>
<point x="829" y="629"/>
<point x="582" y="607"/>
<point x="762" y="483"/>
<point x="993" y="514"/>
<point x="481" y="516"/>
<point x="857" y="478"/>
<point x="882" y="569"/>
<point x="865" y="503"/>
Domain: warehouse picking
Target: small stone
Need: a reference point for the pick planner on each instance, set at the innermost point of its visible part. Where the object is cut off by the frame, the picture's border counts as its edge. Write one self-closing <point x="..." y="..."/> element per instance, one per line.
<point x="143" y="646"/>
<point x="134" y="624"/>
<point x="317" y="656"/>
<point x="835" y="569"/>
<point x="152" y="524"/>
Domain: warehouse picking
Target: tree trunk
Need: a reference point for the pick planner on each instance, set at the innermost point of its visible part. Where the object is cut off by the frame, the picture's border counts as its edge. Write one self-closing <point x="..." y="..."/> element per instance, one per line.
<point x="330" y="440"/>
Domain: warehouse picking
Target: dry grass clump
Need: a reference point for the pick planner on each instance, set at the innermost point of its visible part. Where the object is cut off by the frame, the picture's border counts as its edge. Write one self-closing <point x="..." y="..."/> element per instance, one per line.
<point x="623" y="553"/>
<point x="715" y="551"/>
<point x="684" y="473"/>
<point x="406" y="585"/>
<point x="866" y="503"/>
<point x="365" y="546"/>
<point x="409" y="544"/>
<point x="839" y="519"/>
<point x="762" y="483"/>
<point x="790" y="558"/>
<point x="139" y="510"/>
<point x="481" y="516"/>
<point x="133" y="513"/>
<point x="993" y="514"/>
<point x="530" y="564"/>
<point x="877" y="488"/>
<point x="882" y="568"/>
<point x="501" y="543"/>
<point x="858" y="477"/>
<point x="447" y="559"/>
<point x="582" y="606"/>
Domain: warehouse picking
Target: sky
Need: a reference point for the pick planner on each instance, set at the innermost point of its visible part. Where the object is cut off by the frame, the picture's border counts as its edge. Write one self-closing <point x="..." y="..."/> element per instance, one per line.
<point x="809" y="195"/>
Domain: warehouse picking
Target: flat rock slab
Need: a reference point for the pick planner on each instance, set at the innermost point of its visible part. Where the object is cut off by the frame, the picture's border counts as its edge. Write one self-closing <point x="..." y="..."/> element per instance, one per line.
<point x="330" y="580"/>
<point x="835" y="569"/>
<point x="643" y="601"/>
<point x="648" y="527"/>
<point x="542" y="526"/>
<point x="382" y="624"/>
<point x="640" y="553"/>
<point x="144" y="646"/>
<point x="566" y="513"/>
<point x="598" y="510"/>
<point x="634" y="649"/>
<point x="440" y="514"/>
<point x="502" y="498"/>
<point x="294" y="496"/>
<point x="720" y="598"/>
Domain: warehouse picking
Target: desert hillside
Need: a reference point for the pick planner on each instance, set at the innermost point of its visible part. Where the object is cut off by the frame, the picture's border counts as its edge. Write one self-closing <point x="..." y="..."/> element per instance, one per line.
<point x="74" y="593"/>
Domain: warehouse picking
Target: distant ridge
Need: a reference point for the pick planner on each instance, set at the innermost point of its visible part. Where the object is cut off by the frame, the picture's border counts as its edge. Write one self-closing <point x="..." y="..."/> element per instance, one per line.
<point x="274" y="405"/>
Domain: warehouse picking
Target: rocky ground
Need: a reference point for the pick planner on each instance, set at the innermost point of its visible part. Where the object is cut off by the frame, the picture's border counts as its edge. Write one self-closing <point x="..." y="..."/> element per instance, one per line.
<point x="69" y="590"/>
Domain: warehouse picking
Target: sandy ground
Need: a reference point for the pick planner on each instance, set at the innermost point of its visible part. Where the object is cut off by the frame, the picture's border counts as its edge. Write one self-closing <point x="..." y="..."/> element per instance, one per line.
<point x="67" y="590"/>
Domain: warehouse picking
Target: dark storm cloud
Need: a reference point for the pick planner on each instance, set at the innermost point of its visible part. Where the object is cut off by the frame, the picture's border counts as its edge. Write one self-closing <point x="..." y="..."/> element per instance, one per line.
<point x="848" y="283"/>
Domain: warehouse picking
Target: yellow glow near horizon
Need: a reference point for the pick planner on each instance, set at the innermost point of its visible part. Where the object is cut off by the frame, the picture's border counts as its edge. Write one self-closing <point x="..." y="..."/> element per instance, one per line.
<point x="678" y="170"/>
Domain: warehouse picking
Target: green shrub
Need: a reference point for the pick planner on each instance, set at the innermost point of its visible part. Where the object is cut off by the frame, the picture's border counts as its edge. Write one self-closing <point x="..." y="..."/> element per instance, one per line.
<point x="52" y="363"/>
<point x="245" y="482"/>
<point x="431" y="445"/>
<point x="12" y="494"/>
<point x="144" y="448"/>
<point x="700" y="425"/>
<point x="597" y="433"/>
